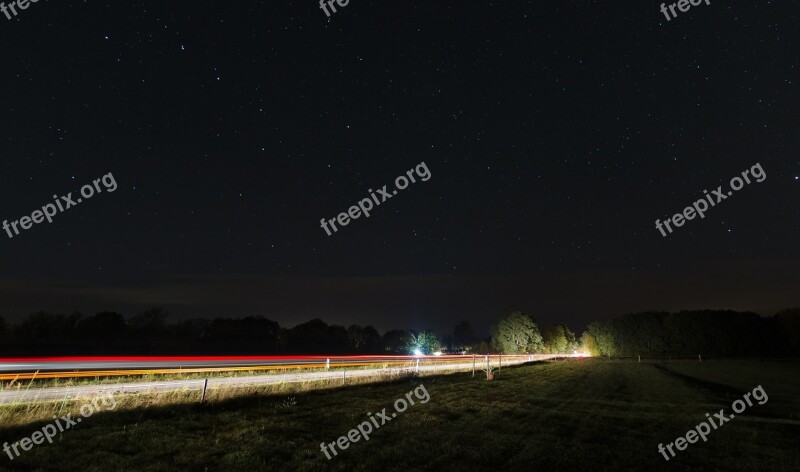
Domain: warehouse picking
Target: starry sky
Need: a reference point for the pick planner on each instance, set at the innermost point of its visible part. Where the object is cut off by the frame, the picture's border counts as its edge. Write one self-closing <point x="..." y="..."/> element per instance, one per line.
<point x="556" y="133"/>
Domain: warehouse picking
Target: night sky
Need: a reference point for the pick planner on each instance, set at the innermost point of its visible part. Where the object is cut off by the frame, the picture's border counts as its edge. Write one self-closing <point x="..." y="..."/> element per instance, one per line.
<point x="555" y="133"/>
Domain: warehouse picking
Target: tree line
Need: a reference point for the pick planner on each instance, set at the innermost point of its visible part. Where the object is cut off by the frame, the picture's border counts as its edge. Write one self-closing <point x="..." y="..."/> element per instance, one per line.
<point x="722" y="333"/>
<point x="709" y="332"/>
<point x="149" y="333"/>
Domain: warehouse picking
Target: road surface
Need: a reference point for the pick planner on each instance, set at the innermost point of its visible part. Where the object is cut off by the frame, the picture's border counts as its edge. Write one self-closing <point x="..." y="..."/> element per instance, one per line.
<point x="402" y="365"/>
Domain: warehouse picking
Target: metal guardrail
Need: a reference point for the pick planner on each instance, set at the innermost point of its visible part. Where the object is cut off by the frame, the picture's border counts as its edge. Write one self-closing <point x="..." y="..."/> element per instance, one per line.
<point x="56" y="369"/>
<point x="338" y="370"/>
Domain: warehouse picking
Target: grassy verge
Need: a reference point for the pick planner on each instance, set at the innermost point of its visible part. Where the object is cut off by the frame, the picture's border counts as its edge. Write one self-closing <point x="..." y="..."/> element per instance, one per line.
<point x="22" y="413"/>
<point x="577" y="415"/>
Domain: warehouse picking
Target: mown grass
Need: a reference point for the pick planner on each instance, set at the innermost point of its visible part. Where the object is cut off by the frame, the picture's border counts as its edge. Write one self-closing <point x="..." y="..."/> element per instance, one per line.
<point x="582" y="415"/>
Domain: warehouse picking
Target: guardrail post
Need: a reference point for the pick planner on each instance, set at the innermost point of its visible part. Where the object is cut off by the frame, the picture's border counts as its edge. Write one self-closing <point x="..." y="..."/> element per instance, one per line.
<point x="700" y="357"/>
<point x="343" y="376"/>
<point x="640" y="357"/>
<point x="500" y="358"/>
<point x="328" y="364"/>
<point x="205" y="386"/>
<point x="473" y="365"/>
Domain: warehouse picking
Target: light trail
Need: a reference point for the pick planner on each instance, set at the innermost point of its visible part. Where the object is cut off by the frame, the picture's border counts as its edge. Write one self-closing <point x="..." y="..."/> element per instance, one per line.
<point x="337" y="371"/>
<point x="75" y="367"/>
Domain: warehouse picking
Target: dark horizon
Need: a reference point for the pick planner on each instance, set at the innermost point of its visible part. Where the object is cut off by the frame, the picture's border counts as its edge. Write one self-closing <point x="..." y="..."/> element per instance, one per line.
<point x="438" y="303"/>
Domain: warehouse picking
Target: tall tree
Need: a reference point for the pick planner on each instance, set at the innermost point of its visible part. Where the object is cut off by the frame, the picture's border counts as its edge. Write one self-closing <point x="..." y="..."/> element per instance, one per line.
<point x="603" y="337"/>
<point x="316" y="337"/>
<point x="364" y="340"/>
<point x="151" y="320"/>
<point x="572" y="342"/>
<point x="517" y="333"/>
<point x="555" y="340"/>
<point x="425" y="342"/>
<point x="355" y="336"/>
<point x="588" y="344"/>
<point x="396" y="340"/>
<point x="371" y="340"/>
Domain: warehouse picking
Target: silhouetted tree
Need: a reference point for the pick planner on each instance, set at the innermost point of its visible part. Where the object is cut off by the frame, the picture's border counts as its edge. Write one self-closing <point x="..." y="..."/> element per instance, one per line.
<point x="249" y="335"/>
<point x="463" y="334"/>
<point x="149" y="330"/>
<point x="316" y="337"/>
<point x="396" y="340"/>
<point x="355" y="336"/>
<point x="371" y="341"/>
<point x="43" y="333"/>
<point x="151" y="320"/>
<point x="186" y="337"/>
<point x="104" y="333"/>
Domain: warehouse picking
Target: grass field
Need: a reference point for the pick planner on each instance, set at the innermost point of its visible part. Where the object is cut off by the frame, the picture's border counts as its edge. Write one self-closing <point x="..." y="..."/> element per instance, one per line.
<point x="582" y="415"/>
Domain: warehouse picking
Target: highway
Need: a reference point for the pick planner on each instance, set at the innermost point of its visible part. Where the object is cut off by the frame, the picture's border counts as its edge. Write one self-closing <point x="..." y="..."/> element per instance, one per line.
<point x="359" y="366"/>
<point x="42" y="364"/>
